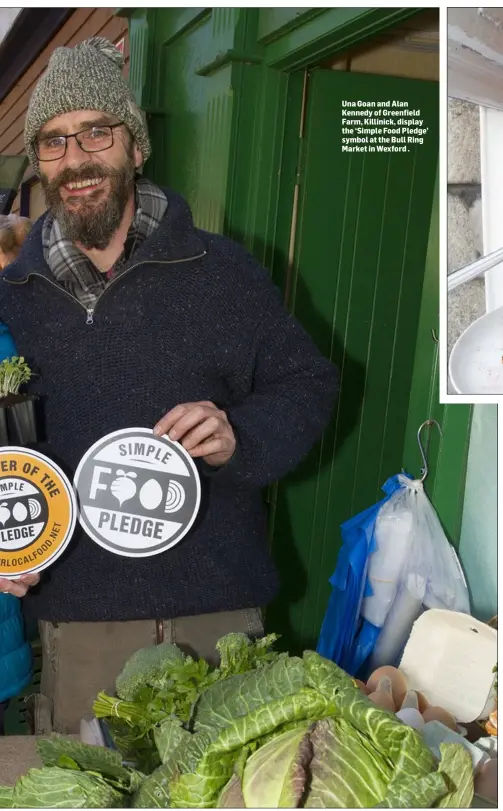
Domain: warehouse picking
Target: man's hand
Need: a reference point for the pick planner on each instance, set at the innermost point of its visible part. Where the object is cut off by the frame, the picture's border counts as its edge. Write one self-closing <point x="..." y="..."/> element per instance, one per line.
<point x="202" y="429"/>
<point x="20" y="586"/>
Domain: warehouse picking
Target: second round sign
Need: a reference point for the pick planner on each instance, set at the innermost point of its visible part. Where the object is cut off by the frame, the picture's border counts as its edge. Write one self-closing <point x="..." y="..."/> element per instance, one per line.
<point x="139" y="494"/>
<point x="38" y="512"/>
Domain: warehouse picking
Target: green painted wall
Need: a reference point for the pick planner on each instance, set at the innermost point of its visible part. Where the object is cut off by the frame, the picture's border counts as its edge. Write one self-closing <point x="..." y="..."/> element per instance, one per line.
<point x="211" y="84"/>
<point x="190" y="115"/>
<point x="363" y="229"/>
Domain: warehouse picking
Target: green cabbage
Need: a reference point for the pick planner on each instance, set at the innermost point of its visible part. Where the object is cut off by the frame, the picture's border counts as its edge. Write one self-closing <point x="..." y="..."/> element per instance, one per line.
<point x="59" y="750"/>
<point x="169" y="736"/>
<point x="53" y="787"/>
<point x="393" y="763"/>
<point x="200" y="787"/>
<point x="346" y="770"/>
<point x="275" y="775"/>
<point x="429" y="789"/>
<point x="457" y="769"/>
<point x="264" y="730"/>
<point x="171" y="740"/>
<point x="239" y="695"/>
<point x="231" y="795"/>
<point x="6" y="793"/>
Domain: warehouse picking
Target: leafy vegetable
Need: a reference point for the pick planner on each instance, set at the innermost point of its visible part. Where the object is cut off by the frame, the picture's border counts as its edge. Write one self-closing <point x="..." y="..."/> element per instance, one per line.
<point x="171" y="739"/>
<point x="52" y="787"/>
<point x="68" y="753"/>
<point x="169" y="736"/>
<point x="275" y="775"/>
<point x="13" y="373"/>
<point x="6" y="793"/>
<point x="154" y="792"/>
<point x="227" y="700"/>
<point x="263" y="730"/>
<point x="456" y="767"/>
<point x="346" y="771"/>
<point x="160" y="682"/>
<point x="401" y="745"/>
<point x="173" y="692"/>
<point x="75" y="775"/>
<point x="136" y="747"/>
<point x="231" y="795"/>
<point x="430" y="788"/>
<point x="170" y="694"/>
<point x="201" y="787"/>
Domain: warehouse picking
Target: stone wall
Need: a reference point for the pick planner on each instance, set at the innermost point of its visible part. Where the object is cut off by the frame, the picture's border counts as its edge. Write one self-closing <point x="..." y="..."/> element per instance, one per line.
<point x="464" y="223"/>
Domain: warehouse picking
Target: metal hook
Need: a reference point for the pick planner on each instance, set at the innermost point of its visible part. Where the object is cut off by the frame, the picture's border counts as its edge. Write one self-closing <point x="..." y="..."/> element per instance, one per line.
<point x="424" y="469"/>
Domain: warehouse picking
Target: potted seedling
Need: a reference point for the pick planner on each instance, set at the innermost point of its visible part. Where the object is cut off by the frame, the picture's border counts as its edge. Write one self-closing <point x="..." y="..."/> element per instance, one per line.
<point x="17" y="410"/>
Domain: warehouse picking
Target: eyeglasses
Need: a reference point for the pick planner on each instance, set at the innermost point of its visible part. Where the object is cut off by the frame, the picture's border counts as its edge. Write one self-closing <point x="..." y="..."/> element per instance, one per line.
<point x="94" y="139"/>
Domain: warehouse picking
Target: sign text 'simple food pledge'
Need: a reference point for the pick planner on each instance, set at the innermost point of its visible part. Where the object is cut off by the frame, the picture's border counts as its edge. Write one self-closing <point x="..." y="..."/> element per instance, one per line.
<point x="139" y="494"/>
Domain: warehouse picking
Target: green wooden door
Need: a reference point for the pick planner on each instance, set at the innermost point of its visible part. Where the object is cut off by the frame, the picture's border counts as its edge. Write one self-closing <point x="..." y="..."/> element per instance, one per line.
<point x="361" y="241"/>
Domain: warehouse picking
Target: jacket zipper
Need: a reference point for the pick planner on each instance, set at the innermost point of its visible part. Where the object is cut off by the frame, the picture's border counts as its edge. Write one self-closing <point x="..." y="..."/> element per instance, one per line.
<point x="91" y="310"/>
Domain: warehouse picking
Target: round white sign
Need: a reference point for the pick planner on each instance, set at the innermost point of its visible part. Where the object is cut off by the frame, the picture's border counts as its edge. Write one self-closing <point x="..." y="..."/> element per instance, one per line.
<point x="139" y="494"/>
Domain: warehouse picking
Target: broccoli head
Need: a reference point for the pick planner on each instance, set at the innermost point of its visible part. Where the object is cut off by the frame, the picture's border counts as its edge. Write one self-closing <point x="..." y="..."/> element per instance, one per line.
<point x="145" y="668"/>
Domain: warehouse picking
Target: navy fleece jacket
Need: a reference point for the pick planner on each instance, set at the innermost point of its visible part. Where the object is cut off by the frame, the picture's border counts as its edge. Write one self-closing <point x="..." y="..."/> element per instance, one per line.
<point x="193" y="318"/>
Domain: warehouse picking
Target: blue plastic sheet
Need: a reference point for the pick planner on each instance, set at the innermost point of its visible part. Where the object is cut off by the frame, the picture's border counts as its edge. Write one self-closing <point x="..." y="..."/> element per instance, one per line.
<point x="345" y="638"/>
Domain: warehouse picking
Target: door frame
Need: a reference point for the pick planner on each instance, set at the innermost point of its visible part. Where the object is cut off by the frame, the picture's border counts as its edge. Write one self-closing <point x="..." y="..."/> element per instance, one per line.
<point x="448" y="459"/>
<point x="314" y="35"/>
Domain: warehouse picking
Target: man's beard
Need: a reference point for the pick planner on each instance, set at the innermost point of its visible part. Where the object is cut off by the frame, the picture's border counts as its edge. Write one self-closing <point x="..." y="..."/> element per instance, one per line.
<point x="93" y="221"/>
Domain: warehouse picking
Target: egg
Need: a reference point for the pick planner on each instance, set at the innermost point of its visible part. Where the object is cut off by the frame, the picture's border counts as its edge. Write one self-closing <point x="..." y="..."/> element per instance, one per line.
<point x="411" y="701"/>
<point x="439" y="714"/>
<point x="397" y="678"/>
<point x="383" y="699"/>
<point x="422" y="701"/>
<point x="19" y="511"/>
<point x="151" y="494"/>
<point x="414" y="700"/>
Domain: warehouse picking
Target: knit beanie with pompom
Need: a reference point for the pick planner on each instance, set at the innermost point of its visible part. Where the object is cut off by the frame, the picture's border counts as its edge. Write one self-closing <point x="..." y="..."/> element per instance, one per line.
<point x="87" y="77"/>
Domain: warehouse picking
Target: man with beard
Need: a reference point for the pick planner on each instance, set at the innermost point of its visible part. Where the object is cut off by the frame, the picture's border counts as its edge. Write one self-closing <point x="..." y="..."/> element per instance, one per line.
<point x="133" y="317"/>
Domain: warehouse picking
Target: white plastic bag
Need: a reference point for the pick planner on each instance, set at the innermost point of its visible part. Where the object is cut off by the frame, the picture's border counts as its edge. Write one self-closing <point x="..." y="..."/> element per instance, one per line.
<point x="403" y="613"/>
<point x="393" y="535"/>
<point x="410" y="541"/>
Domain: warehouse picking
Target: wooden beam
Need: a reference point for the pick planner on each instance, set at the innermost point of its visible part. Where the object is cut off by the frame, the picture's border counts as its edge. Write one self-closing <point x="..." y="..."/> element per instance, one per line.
<point x="31" y="32"/>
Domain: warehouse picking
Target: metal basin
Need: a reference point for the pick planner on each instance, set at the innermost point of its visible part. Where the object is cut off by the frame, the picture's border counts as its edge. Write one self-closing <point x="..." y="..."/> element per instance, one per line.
<point x="476" y="362"/>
